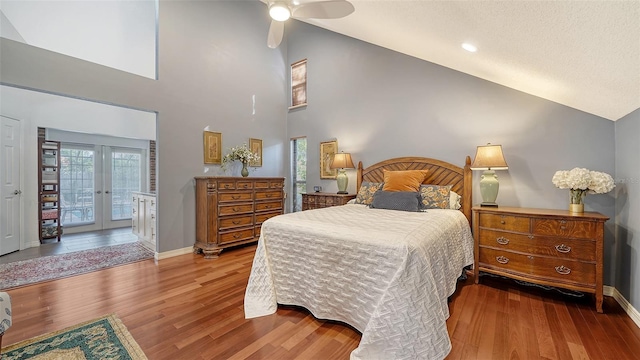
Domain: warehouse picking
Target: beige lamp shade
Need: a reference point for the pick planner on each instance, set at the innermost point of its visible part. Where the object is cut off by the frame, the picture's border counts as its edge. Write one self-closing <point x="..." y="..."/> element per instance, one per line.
<point x="342" y="161"/>
<point x="489" y="157"/>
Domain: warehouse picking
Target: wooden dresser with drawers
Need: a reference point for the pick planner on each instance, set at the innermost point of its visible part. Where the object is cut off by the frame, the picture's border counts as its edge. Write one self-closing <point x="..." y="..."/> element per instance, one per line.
<point x="322" y="200"/>
<point x="548" y="247"/>
<point x="230" y="210"/>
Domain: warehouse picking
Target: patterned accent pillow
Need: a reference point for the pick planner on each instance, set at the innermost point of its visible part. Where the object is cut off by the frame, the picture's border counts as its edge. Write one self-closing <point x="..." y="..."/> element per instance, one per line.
<point x="5" y="312"/>
<point x="435" y="197"/>
<point x="366" y="192"/>
<point x="396" y="200"/>
<point x="455" y="200"/>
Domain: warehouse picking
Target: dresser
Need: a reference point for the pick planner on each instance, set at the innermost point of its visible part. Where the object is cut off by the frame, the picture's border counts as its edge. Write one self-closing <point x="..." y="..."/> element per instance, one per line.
<point x="230" y="210"/>
<point x="321" y="200"/>
<point x="547" y="247"/>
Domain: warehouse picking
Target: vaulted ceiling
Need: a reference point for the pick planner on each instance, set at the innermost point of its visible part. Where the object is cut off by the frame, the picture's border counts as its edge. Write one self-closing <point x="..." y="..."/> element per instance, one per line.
<point x="582" y="54"/>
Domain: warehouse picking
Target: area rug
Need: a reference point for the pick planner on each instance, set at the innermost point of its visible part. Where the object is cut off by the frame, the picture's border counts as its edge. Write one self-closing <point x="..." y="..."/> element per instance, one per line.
<point x="53" y="267"/>
<point x="102" y="338"/>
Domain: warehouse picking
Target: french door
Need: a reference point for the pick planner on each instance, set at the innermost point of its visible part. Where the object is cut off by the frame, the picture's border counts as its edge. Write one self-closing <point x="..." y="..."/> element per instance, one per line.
<point x="96" y="184"/>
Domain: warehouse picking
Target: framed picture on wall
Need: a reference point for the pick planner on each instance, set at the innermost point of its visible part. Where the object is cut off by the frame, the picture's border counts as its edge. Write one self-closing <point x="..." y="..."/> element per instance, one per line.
<point x="255" y="145"/>
<point x="328" y="149"/>
<point x="212" y="148"/>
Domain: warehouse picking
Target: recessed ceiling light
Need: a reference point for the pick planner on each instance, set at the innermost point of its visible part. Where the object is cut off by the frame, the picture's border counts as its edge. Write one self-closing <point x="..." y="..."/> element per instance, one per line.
<point x="469" y="47"/>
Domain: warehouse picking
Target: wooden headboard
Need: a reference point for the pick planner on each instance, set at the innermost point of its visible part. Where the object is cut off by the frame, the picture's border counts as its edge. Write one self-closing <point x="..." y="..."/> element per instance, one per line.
<point x="440" y="173"/>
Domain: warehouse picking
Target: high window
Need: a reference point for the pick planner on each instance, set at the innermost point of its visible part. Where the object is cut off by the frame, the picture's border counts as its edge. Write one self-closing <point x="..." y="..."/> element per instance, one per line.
<point x="299" y="84"/>
<point x="298" y="171"/>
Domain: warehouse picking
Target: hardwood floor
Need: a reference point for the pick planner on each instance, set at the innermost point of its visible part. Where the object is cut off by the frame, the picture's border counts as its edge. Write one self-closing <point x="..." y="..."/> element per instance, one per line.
<point x="186" y="307"/>
<point x="73" y="242"/>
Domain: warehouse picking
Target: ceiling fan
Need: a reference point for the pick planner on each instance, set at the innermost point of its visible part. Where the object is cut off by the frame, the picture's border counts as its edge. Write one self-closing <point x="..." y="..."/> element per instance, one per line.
<point x="280" y="11"/>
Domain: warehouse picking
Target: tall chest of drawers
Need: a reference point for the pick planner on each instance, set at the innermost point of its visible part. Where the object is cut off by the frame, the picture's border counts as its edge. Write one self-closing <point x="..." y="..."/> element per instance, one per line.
<point x="230" y="210"/>
<point x="547" y="247"/>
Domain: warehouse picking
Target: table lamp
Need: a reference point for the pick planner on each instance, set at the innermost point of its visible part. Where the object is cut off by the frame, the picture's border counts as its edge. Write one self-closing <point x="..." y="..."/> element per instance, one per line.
<point x="342" y="161"/>
<point x="489" y="158"/>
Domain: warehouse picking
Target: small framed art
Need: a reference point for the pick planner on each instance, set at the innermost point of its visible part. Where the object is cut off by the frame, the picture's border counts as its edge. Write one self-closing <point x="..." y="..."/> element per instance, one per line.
<point x="256" y="147"/>
<point x="212" y="148"/>
<point x="328" y="149"/>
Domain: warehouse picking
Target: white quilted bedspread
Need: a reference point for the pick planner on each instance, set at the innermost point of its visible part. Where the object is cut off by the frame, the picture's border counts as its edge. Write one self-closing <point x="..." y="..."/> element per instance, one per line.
<point x="386" y="273"/>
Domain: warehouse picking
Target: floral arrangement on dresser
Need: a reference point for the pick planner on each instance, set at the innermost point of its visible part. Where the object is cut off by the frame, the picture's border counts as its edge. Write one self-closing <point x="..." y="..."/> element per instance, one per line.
<point x="581" y="181"/>
<point x="240" y="153"/>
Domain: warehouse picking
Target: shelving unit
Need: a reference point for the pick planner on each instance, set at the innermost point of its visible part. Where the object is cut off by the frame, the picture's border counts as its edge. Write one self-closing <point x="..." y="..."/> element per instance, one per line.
<point x="49" y="183"/>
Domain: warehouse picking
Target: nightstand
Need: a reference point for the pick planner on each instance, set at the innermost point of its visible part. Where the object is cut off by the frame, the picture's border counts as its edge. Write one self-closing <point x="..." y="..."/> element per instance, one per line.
<point x="547" y="247"/>
<point x="322" y="200"/>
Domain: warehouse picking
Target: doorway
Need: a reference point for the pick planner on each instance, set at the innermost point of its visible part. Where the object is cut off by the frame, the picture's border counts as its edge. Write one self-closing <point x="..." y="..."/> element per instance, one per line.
<point x="96" y="185"/>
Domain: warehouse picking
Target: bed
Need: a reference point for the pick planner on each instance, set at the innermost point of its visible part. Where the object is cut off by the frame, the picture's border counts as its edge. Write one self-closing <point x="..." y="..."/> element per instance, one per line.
<point x="387" y="273"/>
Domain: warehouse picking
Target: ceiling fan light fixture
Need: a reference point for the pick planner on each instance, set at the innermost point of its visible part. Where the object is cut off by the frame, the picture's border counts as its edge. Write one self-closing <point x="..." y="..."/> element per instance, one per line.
<point x="279" y="11"/>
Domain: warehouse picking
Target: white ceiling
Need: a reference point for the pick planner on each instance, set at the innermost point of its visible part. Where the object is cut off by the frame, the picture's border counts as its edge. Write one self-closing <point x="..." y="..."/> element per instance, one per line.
<point x="582" y="54"/>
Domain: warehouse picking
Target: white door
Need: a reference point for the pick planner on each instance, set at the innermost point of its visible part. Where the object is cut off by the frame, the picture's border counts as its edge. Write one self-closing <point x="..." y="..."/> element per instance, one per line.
<point x="10" y="188"/>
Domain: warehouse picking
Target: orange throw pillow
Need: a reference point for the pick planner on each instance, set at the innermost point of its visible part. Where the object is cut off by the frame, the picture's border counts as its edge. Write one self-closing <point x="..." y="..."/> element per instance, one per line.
<point x="404" y="180"/>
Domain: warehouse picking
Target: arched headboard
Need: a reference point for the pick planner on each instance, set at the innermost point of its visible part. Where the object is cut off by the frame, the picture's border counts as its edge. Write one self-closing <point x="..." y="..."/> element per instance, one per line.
<point x="440" y="173"/>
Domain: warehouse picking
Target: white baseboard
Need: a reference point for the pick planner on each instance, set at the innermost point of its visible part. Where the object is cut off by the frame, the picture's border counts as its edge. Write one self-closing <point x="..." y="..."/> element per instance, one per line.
<point x="626" y="306"/>
<point x="172" y="253"/>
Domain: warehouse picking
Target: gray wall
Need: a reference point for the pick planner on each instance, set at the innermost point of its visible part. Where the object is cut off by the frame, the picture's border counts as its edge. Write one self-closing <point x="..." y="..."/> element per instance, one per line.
<point x="627" y="257"/>
<point x="206" y="78"/>
<point x="381" y="104"/>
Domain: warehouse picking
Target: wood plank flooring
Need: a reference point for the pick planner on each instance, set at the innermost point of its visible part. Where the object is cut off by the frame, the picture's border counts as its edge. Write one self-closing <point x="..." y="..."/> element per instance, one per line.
<point x="186" y="307"/>
<point x="72" y="243"/>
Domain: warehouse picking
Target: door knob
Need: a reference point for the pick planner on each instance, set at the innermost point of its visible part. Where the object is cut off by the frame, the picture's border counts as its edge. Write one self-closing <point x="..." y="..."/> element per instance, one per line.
<point x="107" y="192"/>
<point x="99" y="192"/>
<point x="17" y="192"/>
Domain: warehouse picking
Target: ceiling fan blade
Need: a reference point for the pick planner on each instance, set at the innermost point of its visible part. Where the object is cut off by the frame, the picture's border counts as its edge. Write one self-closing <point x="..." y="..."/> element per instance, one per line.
<point x="276" y="31"/>
<point x="332" y="9"/>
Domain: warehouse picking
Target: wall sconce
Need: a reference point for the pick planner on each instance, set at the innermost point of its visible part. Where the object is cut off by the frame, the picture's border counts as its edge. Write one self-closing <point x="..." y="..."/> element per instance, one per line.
<point x="342" y="161"/>
<point x="489" y="158"/>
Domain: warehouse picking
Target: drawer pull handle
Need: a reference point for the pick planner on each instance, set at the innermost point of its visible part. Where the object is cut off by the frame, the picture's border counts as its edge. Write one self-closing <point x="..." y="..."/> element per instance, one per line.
<point x="226" y="186"/>
<point x="502" y="259"/>
<point x="563" y="221"/>
<point x="531" y="236"/>
<point x="267" y="207"/>
<point x="502" y="240"/>
<point x="235" y="236"/>
<point x="236" y="209"/>
<point x="235" y="197"/>
<point x="269" y="195"/>
<point x="245" y="186"/>
<point x="502" y="222"/>
<point x="563" y="248"/>
<point x="236" y="222"/>
<point x="563" y="270"/>
<point x="563" y="227"/>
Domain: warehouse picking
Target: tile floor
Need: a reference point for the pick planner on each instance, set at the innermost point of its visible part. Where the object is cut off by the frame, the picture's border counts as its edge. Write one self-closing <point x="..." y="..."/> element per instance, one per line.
<point x="73" y="242"/>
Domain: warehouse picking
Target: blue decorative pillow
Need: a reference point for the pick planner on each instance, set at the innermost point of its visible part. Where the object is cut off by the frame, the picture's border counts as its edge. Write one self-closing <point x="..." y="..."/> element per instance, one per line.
<point x="396" y="200"/>
<point x="366" y="191"/>
<point x="435" y="196"/>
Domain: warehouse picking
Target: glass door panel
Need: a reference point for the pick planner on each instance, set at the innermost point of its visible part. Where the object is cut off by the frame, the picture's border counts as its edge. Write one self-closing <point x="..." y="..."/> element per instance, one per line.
<point x="77" y="185"/>
<point x="126" y="176"/>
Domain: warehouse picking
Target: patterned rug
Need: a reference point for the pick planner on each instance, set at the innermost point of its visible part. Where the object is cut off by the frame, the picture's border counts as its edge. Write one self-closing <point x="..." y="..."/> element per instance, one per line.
<point x="53" y="267"/>
<point x="103" y="338"/>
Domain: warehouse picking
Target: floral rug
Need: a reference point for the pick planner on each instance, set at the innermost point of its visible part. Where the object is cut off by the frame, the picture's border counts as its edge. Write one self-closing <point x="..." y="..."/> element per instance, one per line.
<point x="53" y="267"/>
<point x="103" y="338"/>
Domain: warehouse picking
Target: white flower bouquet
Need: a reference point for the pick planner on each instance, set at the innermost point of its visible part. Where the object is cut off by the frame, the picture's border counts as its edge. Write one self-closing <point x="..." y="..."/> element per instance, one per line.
<point x="240" y="153"/>
<point x="580" y="181"/>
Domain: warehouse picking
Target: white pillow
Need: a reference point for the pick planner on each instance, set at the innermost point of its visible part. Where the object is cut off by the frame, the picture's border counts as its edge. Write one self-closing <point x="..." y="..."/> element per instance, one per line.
<point x="352" y="201"/>
<point x="454" y="200"/>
